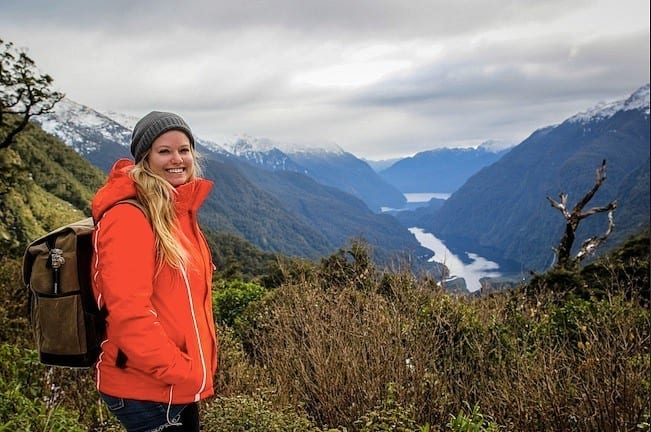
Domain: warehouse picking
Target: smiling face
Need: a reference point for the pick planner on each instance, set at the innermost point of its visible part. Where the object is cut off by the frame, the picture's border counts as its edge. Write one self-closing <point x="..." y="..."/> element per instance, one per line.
<point x="171" y="157"/>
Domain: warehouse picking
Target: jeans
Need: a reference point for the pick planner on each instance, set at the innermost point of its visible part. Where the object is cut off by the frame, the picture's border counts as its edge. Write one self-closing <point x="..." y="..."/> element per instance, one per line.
<point x="146" y="416"/>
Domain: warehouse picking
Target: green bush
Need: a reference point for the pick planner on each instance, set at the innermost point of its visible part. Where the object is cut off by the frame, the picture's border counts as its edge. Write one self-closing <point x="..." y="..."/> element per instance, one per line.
<point x="252" y="414"/>
<point x="473" y="421"/>
<point x="233" y="297"/>
<point x="23" y="406"/>
<point x="390" y="415"/>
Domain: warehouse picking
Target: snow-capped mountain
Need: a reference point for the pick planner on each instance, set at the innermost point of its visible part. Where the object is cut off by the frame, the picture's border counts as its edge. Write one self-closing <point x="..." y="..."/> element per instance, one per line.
<point x="126" y="120"/>
<point x="639" y="100"/>
<point x="325" y="162"/>
<point x="102" y="138"/>
<point x="82" y="128"/>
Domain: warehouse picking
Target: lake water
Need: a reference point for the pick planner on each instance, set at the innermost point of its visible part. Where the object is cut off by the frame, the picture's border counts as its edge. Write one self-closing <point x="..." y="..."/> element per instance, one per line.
<point x="478" y="268"/>
<point x="418" y="197"/>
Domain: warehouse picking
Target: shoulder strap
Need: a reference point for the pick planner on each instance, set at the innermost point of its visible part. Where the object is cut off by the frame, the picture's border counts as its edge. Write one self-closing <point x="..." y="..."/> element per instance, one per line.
<point x="134" y="202"/>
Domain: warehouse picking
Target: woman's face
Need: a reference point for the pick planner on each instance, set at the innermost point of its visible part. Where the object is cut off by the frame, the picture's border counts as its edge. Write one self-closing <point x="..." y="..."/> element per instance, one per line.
<point x="171" y="157"/>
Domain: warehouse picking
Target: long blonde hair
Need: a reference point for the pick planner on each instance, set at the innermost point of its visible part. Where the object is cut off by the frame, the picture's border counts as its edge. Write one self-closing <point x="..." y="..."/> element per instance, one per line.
<point x="157" y="198"/>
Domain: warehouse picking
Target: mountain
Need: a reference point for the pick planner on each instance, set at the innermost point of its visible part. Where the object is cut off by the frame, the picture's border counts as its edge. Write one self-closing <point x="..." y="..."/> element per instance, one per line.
<point x="337" y="215"/>
<point x="379" y="165"/>
<point x="349" y="174"/>
<point x="502" y="212"/>
<point x="279" y="210"/>
<point x="327" y="163"/>
<point x="98" y="138"/>
<point x="441" y="170"/>
<point x="103" y="138"/>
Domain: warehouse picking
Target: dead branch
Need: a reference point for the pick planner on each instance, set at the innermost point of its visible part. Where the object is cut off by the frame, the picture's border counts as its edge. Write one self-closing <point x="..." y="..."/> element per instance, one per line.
<point x="574" y="217"/>
<point x="591" y="244"/>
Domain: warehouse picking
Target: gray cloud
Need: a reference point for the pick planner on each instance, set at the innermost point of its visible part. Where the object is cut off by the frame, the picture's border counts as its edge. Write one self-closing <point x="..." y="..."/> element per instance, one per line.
<point x="379" y="77"/>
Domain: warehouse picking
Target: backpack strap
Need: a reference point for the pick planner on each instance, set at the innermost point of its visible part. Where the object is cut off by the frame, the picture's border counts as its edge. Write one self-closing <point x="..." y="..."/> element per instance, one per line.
<point x="121" y="360"/>
<point x="134" y="202"/>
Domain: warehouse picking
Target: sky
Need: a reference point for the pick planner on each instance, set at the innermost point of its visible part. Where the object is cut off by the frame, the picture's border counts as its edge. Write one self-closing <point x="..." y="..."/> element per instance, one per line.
<point x="380" y="78"/>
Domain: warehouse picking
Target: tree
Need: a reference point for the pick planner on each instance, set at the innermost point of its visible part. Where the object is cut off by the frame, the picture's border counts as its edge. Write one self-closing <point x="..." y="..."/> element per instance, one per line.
<point x="24" y="92"/>
<point x="572" y="220"/>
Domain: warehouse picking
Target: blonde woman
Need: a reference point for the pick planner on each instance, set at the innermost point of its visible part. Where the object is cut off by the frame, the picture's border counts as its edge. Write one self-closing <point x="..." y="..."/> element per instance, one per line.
<point x="152" y="273"/>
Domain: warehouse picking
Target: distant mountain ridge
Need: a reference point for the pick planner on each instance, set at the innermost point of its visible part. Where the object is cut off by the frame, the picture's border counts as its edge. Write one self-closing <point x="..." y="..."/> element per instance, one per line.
<point x="93" y="135"/>
<point x="251" y="199"/>
<point x="441" y="170"/>
<point x="327" y="163"/>
<point x="502" y="212"/>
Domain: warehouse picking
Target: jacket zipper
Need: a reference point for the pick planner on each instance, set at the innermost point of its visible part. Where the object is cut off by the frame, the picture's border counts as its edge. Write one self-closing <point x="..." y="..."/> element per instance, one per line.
<point x="196" y="332"/>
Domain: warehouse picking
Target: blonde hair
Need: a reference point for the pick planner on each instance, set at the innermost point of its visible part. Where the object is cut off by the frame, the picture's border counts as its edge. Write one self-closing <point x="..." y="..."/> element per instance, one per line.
<point x="156" y="195"/>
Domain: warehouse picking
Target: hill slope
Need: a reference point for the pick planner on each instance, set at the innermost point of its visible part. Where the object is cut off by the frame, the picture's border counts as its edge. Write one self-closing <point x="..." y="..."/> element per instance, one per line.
<point x="43" y="184"/>
<point x="502" y="212"/>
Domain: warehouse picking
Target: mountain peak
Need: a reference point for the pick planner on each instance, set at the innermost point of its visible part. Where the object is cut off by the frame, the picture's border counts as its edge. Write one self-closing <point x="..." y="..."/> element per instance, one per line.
<point x="312" y="147"/>
<point x="495" y="146"/>
<point x="81" y="127"/>
<point x="242" y="145"/>
<point x="639" y="100"/>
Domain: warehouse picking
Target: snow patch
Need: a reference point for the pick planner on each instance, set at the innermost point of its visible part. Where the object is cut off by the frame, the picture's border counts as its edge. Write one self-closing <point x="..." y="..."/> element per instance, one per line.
<point x="637" y="101"/>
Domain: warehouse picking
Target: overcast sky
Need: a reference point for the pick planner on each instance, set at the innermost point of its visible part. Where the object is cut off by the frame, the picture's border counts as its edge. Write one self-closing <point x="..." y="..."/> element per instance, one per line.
<point x="380" y="78"/>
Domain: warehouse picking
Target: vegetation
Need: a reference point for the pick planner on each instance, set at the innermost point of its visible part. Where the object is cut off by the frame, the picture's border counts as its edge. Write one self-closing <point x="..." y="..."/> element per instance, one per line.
<point x="342" y="346"/>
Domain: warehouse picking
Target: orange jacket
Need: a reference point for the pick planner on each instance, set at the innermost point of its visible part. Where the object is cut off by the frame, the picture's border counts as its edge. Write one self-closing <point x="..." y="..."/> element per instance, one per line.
<point x="160" y="337"/>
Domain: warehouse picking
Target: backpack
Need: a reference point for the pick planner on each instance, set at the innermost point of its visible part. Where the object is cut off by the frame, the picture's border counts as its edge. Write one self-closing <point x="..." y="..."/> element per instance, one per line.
<point x="67" y="324"/>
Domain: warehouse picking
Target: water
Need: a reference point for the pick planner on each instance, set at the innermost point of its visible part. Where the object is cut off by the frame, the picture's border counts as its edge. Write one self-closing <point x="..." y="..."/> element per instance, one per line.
<point x="478" y="268"/>
<point x="417" y="199"/>
<point x="424" y="197"/>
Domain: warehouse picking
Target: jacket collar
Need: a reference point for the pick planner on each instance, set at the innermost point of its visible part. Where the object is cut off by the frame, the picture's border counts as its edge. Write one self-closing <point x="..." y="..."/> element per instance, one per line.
<point x="120" y="186"/>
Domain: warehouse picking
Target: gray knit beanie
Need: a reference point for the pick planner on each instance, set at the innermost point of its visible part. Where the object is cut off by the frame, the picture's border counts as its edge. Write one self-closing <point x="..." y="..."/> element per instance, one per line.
<point x="151" y="127"/>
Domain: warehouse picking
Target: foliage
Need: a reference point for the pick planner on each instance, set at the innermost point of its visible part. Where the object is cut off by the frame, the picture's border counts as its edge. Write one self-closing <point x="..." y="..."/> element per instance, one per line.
<point x="58" y="169"/>
<point x="43" y="185"/>
<point x="390" y="415"/>
<point x="474" y="421"/>
<point x="22" y="405"/>
<point x="348" y="267"/>
<point x="625" y="270"/>
<point x="14" y="326"/>
<point x="535" y="361"/>
<point x="235" y="258"/>
<point x="232" y="297"/>
<point x="24" y="92"/>
<point x="252" y="414"/>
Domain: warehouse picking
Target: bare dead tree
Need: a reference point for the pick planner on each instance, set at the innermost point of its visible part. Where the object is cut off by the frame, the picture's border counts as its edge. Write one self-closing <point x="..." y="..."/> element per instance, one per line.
<point x="24" y="92"/>
<point x="574" y="217"/>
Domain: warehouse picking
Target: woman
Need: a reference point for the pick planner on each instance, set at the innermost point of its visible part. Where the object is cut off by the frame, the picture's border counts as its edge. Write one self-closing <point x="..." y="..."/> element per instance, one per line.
<point x="152" y="272"/>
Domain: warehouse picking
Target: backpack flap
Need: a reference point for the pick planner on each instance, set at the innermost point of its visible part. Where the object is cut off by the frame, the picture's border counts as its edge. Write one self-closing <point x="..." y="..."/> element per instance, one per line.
<point x="75" y="243"/>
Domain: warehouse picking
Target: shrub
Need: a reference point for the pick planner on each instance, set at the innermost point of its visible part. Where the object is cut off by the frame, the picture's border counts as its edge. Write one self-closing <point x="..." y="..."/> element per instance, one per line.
<point x="474" y="421"/>
<point x="390" y="415"/>
<point x="23" y="405"/>
<point x="252" y="414"/>
<point x="233" y="297"/>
